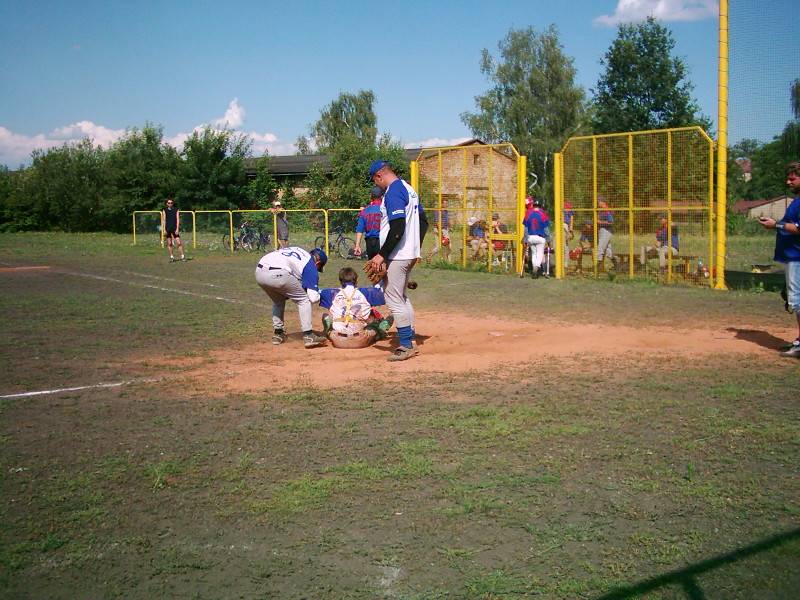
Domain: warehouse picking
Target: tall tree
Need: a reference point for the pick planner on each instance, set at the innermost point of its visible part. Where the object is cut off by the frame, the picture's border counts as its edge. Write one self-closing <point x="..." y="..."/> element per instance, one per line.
<point x="212" y="174"/>
<point x="534" y="101"/>
<point x="263" y="189"/>
<point x="643" y="85"/>
<point x="349" y="115"/>
<point x="141" y="170"/>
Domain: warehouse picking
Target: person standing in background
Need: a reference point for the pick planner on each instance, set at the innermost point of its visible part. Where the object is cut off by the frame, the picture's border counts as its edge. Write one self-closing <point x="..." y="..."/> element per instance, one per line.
<point x="171" y="226"/>
<point x="368" y="225"/>
<point x="282" y="224"/>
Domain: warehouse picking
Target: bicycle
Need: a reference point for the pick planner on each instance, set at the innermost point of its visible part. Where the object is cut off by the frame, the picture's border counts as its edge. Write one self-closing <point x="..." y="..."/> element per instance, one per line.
<point x="342" y="245"/>
<point x="249" y="239"/>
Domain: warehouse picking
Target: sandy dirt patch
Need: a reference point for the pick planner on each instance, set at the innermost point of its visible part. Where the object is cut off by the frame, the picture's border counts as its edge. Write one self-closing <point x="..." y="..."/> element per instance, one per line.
<point x="455" y="343"/>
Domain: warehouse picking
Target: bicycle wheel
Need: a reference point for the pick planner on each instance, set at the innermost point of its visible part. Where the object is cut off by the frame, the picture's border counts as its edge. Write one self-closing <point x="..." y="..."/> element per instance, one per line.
<point x="319" y="242"/>
<point x="264" y="241"/>
<point x="226" y="242"/>
<point x="247" y="242"/>
<point x="345" y="247"/>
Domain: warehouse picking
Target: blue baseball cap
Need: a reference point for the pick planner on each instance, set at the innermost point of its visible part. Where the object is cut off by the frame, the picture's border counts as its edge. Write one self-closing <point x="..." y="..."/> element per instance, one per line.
<point x="376" y="166"/>
<point x="323" y="258"/>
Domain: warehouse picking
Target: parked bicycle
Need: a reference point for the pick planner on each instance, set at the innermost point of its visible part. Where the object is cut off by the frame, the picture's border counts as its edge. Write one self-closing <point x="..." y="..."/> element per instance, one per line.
<point x="247" y="238"/>
<point x="342" y="245"/>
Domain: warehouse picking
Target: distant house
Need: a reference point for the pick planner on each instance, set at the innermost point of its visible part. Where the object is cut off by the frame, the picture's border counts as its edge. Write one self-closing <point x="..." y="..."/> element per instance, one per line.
<point x="746" y="166"/>
<point x="295" y="168"/>
<point x="774" y="208"/>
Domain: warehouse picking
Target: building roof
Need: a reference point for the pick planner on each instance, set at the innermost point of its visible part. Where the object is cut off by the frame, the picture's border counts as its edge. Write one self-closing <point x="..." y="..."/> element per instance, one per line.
<point x="300" y="164"/>
<point x="741" y="207"/>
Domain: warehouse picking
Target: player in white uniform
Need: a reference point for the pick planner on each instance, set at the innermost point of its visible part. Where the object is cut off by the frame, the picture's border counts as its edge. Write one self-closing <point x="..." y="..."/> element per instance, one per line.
<point x="403" y="227"/>
<point x="352" y="322"/>
<point x="292" y="273"/>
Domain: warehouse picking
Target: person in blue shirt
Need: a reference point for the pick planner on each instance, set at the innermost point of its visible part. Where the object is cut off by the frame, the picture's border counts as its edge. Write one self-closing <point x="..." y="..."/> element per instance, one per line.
<point x="536" y="223"/>
<point x="787" y="251"/>
<point x="662" y="248"/>
<point x="368" y="225"/>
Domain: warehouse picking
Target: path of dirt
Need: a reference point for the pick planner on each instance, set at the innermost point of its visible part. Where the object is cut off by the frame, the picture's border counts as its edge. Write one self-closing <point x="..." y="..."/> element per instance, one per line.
<point x="455" y="343"/>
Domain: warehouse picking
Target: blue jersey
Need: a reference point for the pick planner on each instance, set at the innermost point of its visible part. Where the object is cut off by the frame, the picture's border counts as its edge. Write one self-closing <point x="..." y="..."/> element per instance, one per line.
<point x="607" y="216"/>
<point x="661" y="237"/>
<point x="373" y="295"/>
<point x="787" y="245"/>
<point x="536" y="223"/>
<point x="369" y="220"/>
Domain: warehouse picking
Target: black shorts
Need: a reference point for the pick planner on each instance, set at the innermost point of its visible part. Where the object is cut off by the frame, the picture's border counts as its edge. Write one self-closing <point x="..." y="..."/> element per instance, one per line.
<point x="172" y="234"/>
<point x="373" y="246"/>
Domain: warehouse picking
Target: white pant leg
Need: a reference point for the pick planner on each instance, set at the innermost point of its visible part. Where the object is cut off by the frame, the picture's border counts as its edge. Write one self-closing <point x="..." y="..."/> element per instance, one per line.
<point x="395" y="292"/>
<point x="536" y="243"/>
<point x="280" y="286"/>
<point x="604" y="244"/>
<point x="663" y="251"/>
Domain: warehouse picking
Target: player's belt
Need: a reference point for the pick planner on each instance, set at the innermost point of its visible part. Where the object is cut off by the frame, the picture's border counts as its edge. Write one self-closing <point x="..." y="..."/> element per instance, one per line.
<point x="260" y="266"/>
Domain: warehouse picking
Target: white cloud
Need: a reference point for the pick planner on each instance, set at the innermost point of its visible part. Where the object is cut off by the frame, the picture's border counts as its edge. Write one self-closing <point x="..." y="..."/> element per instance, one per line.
<point x="632" y="11"/>
<point x="16" y="148"/>
<point x="234" y="116"/>
<point x="436" y="142"/>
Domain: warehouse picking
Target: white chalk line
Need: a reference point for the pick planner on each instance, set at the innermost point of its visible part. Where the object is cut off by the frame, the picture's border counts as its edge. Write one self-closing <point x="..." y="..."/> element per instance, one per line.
<point x="77" y="388"/>
<point x="162" y="289"/>
<point x="214" y="285"/>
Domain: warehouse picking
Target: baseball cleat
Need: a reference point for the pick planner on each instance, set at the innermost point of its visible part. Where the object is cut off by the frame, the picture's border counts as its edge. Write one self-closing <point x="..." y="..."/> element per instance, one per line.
<point x="278" y="338"/>
<point x="792" y="351"/>
<point x="402" y="353"/>
<point x="313" y="340"/>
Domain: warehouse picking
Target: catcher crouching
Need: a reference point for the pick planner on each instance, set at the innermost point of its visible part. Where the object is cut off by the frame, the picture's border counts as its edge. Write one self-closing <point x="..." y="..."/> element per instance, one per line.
<point x="352" y="321"/>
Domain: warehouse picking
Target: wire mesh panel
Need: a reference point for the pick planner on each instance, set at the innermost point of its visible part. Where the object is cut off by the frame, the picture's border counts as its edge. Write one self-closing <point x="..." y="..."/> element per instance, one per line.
<point x="472" y="195"/>
<point x="146" y="227"/>
<point x="638" y="204"/>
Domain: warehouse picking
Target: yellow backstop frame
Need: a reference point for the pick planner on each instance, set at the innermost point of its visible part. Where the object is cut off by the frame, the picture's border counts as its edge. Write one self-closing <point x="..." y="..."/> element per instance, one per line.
<point x="717" y="258"/>
<point x="521" y="161"/>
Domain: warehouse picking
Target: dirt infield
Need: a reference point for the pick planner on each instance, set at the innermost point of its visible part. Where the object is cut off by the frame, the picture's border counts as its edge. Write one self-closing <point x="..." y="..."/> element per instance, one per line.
<point x="456" y="343"/>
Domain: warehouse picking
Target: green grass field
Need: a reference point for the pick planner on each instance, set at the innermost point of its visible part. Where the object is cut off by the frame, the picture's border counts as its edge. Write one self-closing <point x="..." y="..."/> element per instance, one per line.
<point x="638" y="475"/>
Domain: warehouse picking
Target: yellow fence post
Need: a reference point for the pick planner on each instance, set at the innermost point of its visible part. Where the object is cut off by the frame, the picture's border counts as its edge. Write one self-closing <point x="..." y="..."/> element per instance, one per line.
<point x="133" y="217"/>
<point x="558" y="197"/>
<point x="595" y="254"/>
<point x="631" y="201"/>
<point x="522" y="188"/>
<point x="722" y="146"/>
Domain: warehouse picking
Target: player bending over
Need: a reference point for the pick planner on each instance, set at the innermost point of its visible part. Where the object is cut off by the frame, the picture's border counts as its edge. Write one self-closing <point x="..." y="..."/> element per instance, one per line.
<point x="352" y="321"/>
<point x="291" y="273"/>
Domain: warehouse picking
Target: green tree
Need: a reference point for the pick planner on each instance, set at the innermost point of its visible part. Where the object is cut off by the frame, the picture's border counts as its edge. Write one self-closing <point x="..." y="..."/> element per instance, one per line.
<point x="64" y="189"/>
<point x="350" y="115"/>
<point x="643" y="86"/>
<point x="212" y="174"/>
<point x="303" y="146"/>
<point x="141" y="170"/>
<point x="534" y="101"/>
<point x="262" y="190"/>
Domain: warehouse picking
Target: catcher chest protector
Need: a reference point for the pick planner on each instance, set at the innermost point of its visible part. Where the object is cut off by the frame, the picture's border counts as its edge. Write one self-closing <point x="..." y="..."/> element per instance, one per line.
<point x="351" y="336"/>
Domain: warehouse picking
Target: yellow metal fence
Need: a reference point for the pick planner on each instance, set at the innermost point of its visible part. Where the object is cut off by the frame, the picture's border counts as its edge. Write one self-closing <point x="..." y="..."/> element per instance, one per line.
<point x="637" y="204"/>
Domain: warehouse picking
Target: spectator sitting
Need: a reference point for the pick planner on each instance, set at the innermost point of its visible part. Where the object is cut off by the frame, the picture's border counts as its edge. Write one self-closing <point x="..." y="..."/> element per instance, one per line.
<point x="662" y="249"/>
<point x="477" y="237"/>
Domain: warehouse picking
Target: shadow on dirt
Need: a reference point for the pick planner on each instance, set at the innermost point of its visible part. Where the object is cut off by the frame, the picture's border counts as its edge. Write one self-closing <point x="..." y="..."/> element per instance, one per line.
<point x="761" y="338"/>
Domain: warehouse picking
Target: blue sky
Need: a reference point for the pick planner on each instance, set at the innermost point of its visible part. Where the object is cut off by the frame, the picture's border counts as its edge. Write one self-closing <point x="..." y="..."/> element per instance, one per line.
<point x="266" y="68"/>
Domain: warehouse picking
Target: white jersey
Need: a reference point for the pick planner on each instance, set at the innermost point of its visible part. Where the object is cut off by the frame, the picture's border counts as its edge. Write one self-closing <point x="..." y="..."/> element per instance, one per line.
<point x="350" y="310"/>
<point x="291" y="259"/>
<point x="401" y="201"/>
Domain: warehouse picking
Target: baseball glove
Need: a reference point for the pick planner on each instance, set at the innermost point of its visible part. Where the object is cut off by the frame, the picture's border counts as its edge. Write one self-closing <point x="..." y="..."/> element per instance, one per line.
<point x="375" y="274"/>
